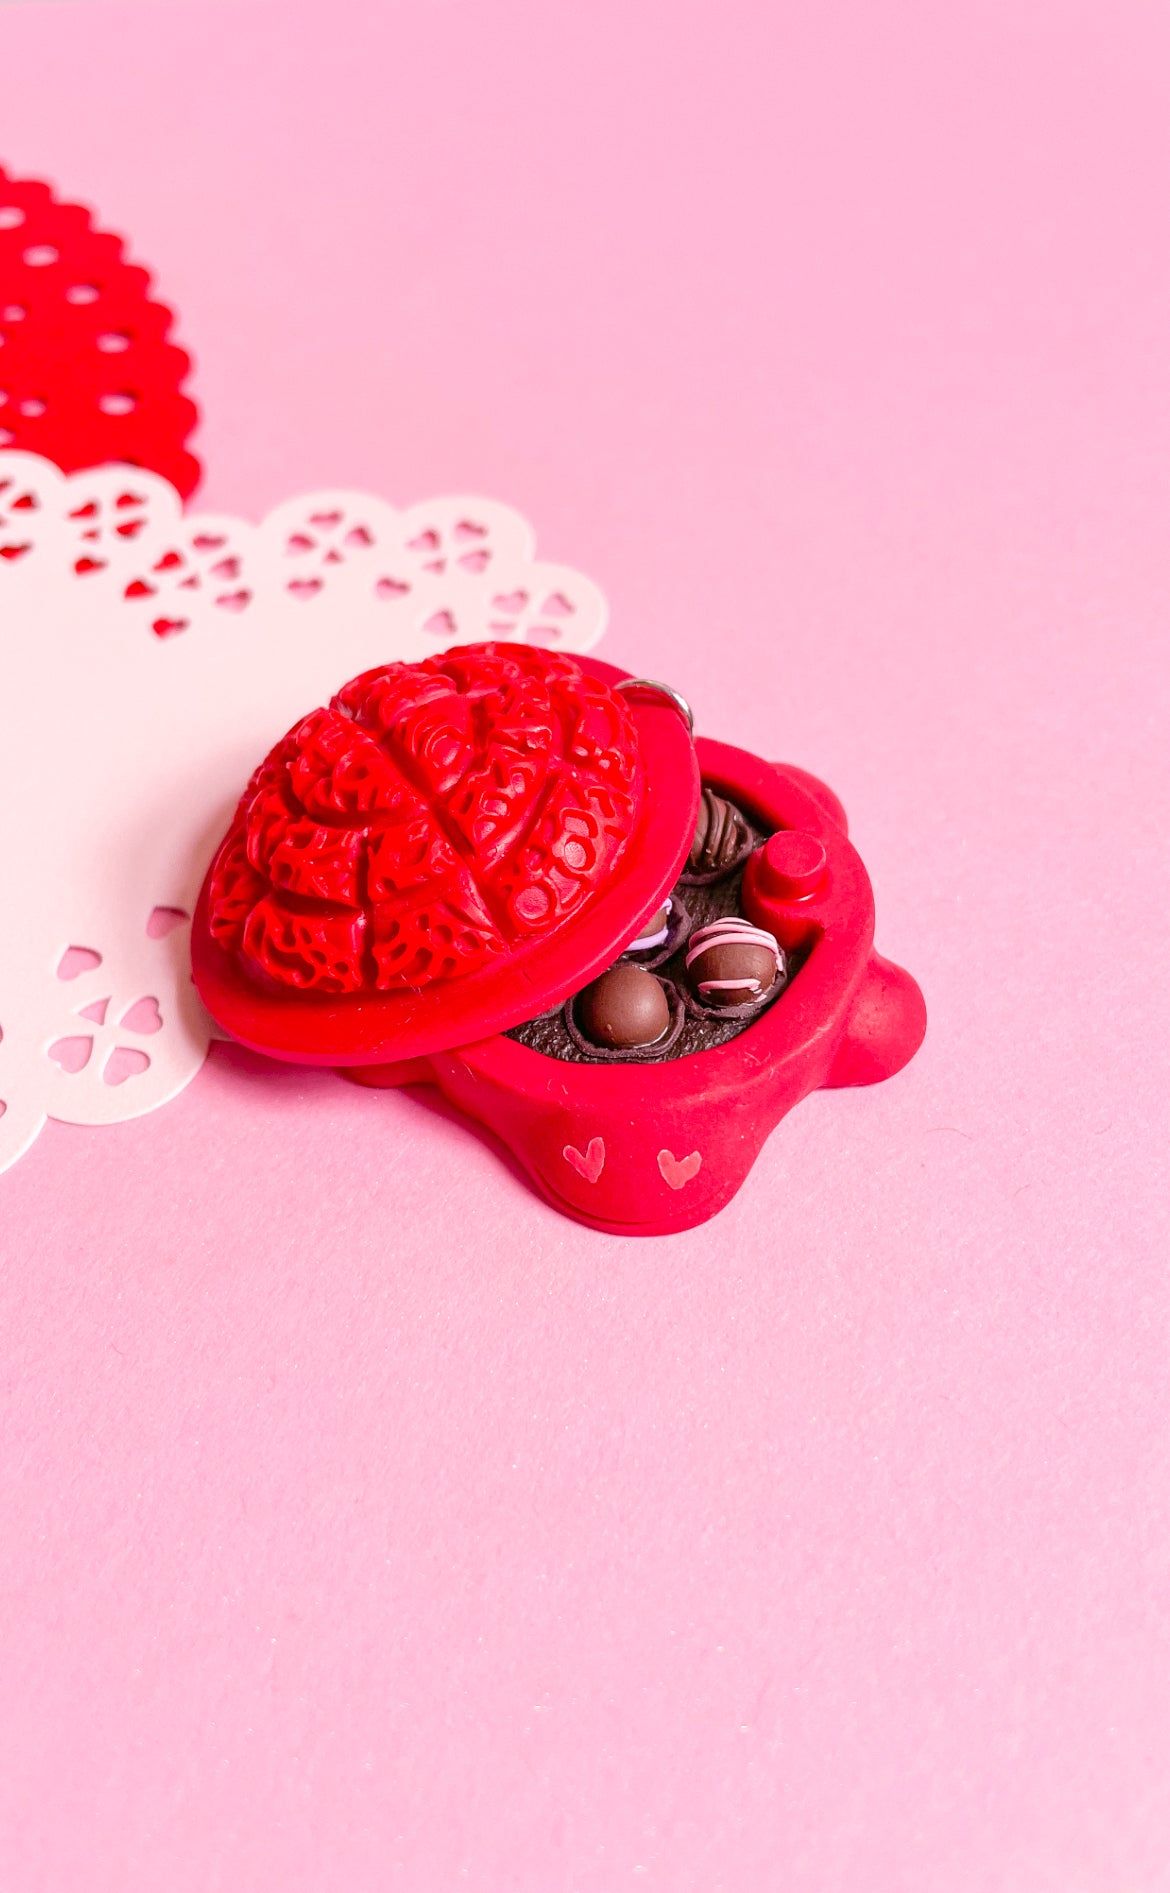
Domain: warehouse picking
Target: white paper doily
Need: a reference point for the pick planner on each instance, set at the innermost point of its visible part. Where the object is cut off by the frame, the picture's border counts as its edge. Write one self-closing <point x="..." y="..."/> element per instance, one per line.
<point x="148" y="659"/>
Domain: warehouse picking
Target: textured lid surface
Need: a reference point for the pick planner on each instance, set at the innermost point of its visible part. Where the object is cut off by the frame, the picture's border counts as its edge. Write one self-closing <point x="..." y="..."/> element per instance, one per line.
<point x="446" y="849"/>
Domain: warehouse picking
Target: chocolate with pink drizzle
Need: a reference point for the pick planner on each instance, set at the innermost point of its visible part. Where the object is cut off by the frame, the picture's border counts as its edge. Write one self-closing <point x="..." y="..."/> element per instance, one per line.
<point x="731" y="963"/>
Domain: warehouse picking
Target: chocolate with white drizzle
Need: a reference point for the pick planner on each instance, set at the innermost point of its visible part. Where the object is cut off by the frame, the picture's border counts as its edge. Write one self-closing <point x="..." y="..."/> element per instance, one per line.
<point x="721" y="841"/>
<point x="655" y="931"/>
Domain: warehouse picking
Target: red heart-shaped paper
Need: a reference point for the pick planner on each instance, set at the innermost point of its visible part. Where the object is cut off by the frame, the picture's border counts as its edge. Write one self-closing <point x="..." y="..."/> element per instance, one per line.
<point x="87" y="375"/>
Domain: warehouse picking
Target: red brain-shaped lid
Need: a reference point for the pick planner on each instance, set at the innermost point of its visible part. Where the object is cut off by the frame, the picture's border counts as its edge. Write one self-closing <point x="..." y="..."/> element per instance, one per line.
<point x="434" y="816"/>
<point x="402" y="868"/>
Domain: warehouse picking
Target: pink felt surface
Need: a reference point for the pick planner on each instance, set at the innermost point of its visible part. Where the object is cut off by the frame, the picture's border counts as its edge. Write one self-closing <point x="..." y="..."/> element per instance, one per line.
<point x="366" y="1525"/>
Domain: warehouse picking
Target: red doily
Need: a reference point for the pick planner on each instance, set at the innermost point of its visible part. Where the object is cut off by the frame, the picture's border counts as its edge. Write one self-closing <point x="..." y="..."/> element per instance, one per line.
<point x="87" y="375"/>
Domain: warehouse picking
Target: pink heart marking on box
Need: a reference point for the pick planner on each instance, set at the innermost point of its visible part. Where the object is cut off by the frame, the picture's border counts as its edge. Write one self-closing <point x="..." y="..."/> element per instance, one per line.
<point x="591" y="1165"/>
<point x="678" y="1170"/>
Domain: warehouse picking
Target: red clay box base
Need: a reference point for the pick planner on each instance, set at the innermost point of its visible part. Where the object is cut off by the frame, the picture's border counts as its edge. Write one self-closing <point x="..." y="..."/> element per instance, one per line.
<point x="655" y="1148"/>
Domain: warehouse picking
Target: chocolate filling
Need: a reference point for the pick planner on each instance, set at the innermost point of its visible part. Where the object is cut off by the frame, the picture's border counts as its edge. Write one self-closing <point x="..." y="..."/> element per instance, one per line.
<point x="702" y="1027"/>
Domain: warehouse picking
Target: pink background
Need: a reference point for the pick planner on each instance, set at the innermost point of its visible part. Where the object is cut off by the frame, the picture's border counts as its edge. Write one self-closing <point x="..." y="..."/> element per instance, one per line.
<point x="365" y="1524"/>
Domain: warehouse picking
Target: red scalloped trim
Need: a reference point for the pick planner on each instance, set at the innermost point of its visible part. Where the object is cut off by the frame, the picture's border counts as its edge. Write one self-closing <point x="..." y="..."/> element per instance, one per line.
<point x="87" y="375"/>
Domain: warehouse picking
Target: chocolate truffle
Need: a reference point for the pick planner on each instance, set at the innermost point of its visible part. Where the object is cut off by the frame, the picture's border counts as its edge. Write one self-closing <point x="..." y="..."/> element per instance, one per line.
<point x="654" y="931"/>
<point x="721" y="836"/>
<point x="731" y="963"/>
<point x="625" y="1008"/>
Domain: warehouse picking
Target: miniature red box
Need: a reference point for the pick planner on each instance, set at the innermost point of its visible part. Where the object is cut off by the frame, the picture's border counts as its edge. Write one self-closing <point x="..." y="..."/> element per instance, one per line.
<point x="454" y="849"/>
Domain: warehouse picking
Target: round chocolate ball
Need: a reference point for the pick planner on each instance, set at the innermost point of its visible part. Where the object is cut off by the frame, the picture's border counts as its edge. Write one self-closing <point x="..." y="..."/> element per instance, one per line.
<point x="625" y="1008"/>
<point x="731" y="963"/>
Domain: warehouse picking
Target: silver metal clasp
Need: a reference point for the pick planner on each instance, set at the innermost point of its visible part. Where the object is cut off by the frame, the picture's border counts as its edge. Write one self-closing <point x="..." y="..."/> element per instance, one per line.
<point x="651" y="685"/>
